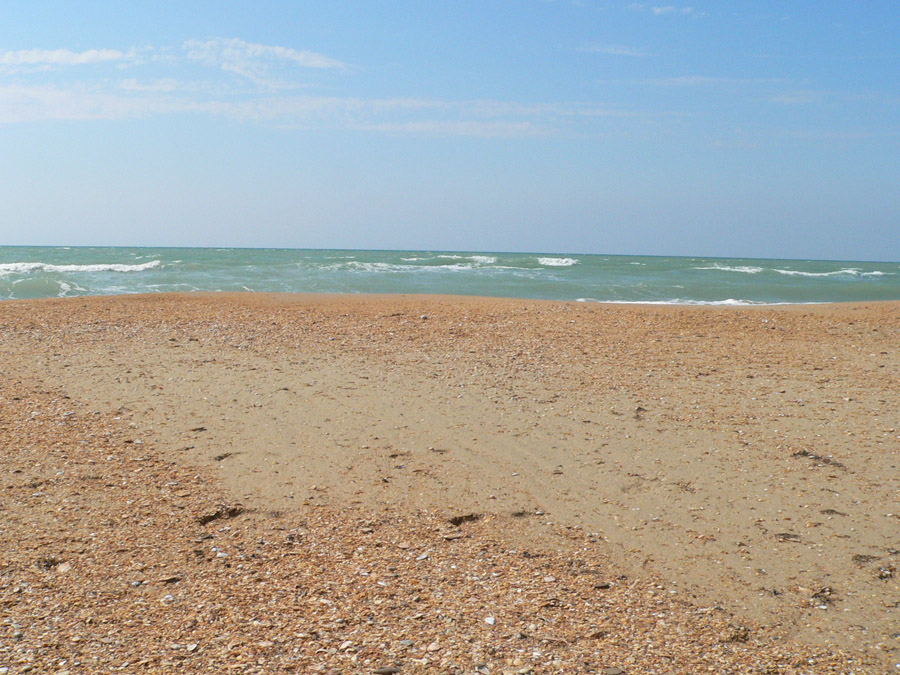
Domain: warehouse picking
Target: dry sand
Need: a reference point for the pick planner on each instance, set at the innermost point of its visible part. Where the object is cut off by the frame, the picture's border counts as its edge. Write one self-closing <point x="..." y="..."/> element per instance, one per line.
<point x="729" y="475"/>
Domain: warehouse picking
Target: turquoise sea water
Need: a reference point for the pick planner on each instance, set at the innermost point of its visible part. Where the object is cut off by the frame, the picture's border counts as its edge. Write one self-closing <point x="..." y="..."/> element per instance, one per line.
<point x="40" y="272"/>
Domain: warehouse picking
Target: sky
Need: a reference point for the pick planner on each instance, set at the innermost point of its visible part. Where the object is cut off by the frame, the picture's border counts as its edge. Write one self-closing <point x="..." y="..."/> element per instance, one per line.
<point x="738" y="129"/>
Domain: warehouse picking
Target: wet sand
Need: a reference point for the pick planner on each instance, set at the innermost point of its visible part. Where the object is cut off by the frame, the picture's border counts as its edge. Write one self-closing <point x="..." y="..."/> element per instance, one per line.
<point x="744" y="458"/>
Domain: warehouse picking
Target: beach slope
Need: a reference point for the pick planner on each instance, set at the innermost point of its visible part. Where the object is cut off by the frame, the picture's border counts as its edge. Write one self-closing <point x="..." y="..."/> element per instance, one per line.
<point x="456" y="483"/>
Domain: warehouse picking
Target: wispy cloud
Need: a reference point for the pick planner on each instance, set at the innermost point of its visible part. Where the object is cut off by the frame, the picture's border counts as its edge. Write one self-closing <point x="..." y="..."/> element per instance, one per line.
<point x="460" y="128"/>
<point x="131" y="99"/>
<point x="671" y="9"/>
<point x="58" y="58"/>
<point x="707" y="81"/>
<point x="36" y="103"/>
<point x="615" y="50"/>
<point x="194" y="78"/>
<point x="167" y="84"/>
<point x="253" y="61"/>
<point x="799" y="97"/>
<point x="663" y="10"/>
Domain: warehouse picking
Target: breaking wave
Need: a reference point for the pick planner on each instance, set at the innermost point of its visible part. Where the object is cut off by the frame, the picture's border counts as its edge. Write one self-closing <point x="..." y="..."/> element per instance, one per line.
<point x="745" y="269"/>
<point x="28" y="267"/>
<point x="848" y="271"/>
<point x="557" y="262"/>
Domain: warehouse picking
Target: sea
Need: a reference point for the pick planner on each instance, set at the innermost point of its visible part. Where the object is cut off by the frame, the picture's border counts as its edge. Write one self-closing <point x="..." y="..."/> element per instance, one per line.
<point x="59" y="272"/>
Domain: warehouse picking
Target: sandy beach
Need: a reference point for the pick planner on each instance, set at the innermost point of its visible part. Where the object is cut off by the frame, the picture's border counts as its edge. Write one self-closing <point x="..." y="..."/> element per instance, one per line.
<point x="409" y="484"/>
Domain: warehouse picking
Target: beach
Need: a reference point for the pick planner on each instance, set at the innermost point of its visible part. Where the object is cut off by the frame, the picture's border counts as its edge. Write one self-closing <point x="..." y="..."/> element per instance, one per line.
<point x="415" y="484"/>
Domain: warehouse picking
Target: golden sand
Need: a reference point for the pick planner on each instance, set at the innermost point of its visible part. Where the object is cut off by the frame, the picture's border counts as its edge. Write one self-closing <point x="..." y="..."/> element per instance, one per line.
<point x="655" y="489"/>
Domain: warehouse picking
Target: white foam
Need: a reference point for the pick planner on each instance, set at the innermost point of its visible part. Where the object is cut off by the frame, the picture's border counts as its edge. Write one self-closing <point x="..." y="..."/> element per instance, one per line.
<point x="27" y="267"/>
<point x="557" y="262"/>
<point x="18" y="268"/>
<point x="480" y="259"/>
<point x="847" y="271"/>
<point x="745" y="269"/>
<point x="390" y="267"/>
<point x="366" y="266"/>
<point x="797" y="273"/>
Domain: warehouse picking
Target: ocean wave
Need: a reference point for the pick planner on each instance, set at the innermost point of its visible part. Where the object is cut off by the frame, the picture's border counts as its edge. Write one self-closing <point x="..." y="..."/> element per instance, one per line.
<point x="39" y="287"/>
<point x="557" y="262"/>
<point x="745" y="269"/>
<point x="28" y="267"/>
<point x="847" y="271"/>
<point x="384" y="267"/>
<point x="367" y="267"/>
<point x="481" y="259"/>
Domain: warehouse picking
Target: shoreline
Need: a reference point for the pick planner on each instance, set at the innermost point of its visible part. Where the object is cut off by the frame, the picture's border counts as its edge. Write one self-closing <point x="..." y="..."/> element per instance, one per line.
<point x="691" y="447"/>
<point x="326" y="295"/>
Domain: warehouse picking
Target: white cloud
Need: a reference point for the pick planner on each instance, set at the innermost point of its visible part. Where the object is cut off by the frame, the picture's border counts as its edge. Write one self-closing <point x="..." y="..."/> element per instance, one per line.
<point x="799" y="97"/>
<point x="616" y="50"/>
<point x="459" y="128"/>
<point x="253" y="61"/>
<point x="163" y="84"/>
<point x="662" y="10"/>
<point x="131" y="99"/>
<point x="35" y="103"/>
<point x="670" y="9"/>
<point x="705" y="81"/>
<point x="25" y="59"/>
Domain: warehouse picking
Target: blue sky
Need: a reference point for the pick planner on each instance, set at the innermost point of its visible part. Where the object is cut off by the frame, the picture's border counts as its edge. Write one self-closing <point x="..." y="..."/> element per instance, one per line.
<point x="697" y="128"/>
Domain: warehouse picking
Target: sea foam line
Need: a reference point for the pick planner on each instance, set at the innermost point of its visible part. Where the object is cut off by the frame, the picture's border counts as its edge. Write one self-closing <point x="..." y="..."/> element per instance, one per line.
<point x="355" y="265"/>
<point x="730" y="302"/>
<point x="752" y="269"/>
<point x="745" y="269"/>
<point x="848" y="271"/>
<point x="28" y="267"/>
<point x="481" y="259"/>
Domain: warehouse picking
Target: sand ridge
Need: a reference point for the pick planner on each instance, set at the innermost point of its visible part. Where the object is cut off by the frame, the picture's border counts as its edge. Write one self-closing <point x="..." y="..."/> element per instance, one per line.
<point x="747" y="457"/>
